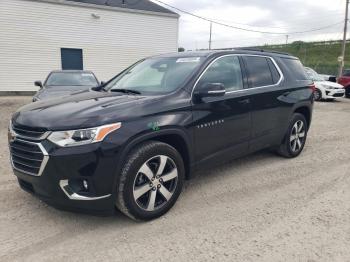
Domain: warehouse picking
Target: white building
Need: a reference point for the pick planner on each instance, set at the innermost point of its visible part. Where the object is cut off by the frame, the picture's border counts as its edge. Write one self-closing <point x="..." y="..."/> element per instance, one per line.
<point x="104" y="36"/>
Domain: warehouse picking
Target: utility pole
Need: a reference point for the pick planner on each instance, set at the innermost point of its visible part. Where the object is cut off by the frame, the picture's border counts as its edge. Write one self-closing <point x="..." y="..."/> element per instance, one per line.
<point x="341" y="67"/>
<point x="211" y="30"/>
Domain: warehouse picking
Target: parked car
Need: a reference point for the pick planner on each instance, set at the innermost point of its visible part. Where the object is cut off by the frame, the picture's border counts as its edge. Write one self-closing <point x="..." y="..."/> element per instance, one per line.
<point x="64" y="83"/>
<point x="345" y="81"/>
<point x="324" y="89"/>
<point x="132" y="142"/>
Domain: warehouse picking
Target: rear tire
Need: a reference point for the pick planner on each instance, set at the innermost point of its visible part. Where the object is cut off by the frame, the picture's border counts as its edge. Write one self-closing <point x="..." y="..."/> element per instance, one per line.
<point x="151" y="181"/>
<point x="295" y="138"/>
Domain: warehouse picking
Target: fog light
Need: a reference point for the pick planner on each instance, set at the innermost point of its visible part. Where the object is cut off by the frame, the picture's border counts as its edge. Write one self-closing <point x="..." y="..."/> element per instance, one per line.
<point x="86" y="185"/>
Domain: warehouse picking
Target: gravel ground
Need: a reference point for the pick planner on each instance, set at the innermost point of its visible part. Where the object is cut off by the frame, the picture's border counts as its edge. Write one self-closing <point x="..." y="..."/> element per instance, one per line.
<point x="258" y="208"/>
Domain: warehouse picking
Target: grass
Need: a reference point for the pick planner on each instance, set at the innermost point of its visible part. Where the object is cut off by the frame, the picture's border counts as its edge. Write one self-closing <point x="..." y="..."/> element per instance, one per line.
<point x="321" y="56"/>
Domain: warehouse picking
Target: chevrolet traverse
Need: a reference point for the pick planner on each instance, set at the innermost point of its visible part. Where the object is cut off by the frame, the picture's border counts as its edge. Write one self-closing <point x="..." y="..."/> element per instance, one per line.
<point x="132" y="142"/>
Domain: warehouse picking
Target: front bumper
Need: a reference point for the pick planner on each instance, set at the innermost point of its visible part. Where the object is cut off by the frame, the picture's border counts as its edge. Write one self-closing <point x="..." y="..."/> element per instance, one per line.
<point x="61" y="182"/>
<point x="334" y="93"/>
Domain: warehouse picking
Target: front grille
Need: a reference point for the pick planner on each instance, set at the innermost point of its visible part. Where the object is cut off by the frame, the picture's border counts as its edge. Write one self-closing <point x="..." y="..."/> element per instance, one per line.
<point x="29" y="132"/>
<point x="338" y="95"/>
<point x="28" y="157"/>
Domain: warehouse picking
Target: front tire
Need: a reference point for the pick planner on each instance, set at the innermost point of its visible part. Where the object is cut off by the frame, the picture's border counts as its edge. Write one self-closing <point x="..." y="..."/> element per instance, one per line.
<point x="318" y="95"/>
<point x="151" y="181"/>
<point x="295" y="138"/>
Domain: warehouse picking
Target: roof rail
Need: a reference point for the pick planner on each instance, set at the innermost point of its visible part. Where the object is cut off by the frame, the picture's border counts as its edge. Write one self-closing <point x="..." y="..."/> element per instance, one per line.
<point x="262" y="50"/>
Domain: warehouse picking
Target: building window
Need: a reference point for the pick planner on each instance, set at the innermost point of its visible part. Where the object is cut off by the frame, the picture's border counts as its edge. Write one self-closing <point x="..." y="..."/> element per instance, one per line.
<point x="72" y="59"/>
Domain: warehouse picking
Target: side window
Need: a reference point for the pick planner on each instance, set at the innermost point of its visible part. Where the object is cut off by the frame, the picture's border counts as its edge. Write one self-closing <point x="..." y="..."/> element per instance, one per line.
<point x="226" y="70"/>
<point x="259" y="71"/>
<point x="296" y="68"/>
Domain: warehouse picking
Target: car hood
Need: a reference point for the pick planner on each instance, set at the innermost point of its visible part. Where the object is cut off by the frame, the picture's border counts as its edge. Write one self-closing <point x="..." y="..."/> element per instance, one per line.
<point x="59" y="91"/>
<point x="329" y="83"/>
<point x="82" y="110"/>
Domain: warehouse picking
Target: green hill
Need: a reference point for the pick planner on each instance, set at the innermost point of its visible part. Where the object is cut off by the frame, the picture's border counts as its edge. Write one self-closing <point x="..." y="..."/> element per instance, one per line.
<point x="321" y="56"/>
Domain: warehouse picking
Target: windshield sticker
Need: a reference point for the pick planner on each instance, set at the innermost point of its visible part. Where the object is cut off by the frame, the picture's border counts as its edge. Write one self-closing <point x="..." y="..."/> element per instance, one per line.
<point x="188" y="60"/>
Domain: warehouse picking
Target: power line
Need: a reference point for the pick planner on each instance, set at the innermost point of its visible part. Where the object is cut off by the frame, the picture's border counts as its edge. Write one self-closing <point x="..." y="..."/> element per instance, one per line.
<point x="246" y="29"/>
<point x="281" y="21"/>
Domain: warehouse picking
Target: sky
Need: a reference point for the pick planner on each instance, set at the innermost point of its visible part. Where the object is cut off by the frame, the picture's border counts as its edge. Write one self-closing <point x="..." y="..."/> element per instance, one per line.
<point x="280" y="16"/>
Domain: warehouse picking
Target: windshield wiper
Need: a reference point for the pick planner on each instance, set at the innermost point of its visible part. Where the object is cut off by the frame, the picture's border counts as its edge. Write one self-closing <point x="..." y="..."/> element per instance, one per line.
<point x="126" y="91"/>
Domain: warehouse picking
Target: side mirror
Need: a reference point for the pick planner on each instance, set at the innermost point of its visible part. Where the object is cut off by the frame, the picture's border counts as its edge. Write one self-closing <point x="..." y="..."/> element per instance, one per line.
<point x="211" y="90"/>
<point x="39" y="84"/>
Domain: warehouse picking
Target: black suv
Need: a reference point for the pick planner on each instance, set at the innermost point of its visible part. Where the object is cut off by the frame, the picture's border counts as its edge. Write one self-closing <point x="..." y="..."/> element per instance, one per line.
<point x="132" y="142"/>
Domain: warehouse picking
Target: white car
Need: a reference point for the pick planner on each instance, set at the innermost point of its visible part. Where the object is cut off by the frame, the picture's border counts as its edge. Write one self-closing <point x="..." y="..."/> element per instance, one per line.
<point x="324" y="89"/>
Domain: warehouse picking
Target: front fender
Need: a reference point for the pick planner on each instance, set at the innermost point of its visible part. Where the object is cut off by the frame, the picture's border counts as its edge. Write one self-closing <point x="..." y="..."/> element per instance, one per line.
<point x="148" y="135"/>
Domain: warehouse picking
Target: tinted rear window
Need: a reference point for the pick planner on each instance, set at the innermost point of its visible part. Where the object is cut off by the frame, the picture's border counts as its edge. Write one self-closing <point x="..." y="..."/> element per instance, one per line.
<point x="297" y="69"/>
<point x="259" y="71"/>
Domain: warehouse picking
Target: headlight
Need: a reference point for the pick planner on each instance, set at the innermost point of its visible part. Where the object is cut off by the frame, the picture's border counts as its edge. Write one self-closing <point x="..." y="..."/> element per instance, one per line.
<point x="82" y="136"/>
<point x="328" y="87"/>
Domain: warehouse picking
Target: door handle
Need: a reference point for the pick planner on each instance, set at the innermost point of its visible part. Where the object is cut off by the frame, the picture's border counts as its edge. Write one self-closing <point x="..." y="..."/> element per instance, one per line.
<point x="244" y="101"/>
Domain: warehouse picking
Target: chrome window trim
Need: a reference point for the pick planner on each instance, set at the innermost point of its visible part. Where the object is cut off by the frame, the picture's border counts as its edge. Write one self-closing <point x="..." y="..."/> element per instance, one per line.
<point x="43" y="163"/>
<point x="277" y="67"/>
<point x="244" y="89"/>
<point x="217" y="92"/>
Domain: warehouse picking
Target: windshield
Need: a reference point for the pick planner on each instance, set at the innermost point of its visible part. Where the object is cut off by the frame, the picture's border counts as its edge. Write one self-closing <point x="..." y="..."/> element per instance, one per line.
<point x="155" y="75"/>
<point x="71" y="79"/>
<point x="313" y="75"/>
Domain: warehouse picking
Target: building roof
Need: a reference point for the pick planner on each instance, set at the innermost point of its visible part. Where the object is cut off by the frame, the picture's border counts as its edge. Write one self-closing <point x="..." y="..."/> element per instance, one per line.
<point x="144" y="5"/>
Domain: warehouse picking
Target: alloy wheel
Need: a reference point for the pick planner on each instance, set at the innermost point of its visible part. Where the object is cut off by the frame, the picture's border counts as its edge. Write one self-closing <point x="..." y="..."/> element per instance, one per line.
<point x="297" y="137"/>
<point x="155" y="183"/>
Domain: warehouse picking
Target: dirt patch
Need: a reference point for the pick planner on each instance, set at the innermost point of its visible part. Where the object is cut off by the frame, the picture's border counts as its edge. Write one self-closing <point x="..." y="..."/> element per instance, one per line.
<point x="257" y="208"/>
